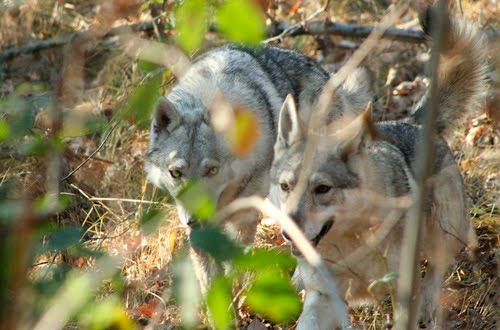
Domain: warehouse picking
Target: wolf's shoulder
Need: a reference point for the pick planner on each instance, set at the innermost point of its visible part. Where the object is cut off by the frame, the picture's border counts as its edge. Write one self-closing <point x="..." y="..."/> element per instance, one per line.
<point x="267" y="57"/>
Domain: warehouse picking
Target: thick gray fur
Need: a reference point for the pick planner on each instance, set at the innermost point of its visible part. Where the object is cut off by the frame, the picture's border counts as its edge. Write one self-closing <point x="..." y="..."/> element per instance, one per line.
<point x="360" y="177"/>
<point x="183" y="139"/>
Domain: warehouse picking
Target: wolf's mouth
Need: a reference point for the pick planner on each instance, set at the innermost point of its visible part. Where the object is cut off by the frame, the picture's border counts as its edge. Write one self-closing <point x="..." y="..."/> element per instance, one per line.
<point x="324" y="230"/>
<point x="315" y="241"/>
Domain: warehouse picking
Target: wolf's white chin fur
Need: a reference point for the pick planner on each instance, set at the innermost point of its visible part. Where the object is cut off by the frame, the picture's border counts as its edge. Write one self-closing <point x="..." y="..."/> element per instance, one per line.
<point x="154" y="174"/>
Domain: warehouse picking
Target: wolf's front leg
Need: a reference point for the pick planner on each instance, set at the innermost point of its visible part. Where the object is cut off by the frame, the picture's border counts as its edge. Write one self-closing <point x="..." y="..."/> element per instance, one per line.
<point x="205" y="268"/>
<point x="318" y="313"/>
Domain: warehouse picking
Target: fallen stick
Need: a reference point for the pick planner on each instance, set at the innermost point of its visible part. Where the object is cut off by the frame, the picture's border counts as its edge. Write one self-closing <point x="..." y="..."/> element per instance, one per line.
<point x="38" y="45"/>
<point x="278" y="30"/>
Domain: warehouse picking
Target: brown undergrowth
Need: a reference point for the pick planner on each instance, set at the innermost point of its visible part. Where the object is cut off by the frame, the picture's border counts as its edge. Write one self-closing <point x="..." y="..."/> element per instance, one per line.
<point x="110" y="194"/>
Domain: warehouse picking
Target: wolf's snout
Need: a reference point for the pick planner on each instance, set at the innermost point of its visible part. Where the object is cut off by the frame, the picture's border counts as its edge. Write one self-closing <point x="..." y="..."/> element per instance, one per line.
<point x="322" y="233"/>
<point x="191" y="222"/>
<point x="295" y="216"/>
<point x="285" y="235"/>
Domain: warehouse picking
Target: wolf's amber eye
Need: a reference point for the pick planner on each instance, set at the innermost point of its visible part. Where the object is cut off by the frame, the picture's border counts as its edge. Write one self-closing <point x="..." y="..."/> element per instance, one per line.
<point x="284" y="186"/>
<point x="175" y="174"/>
<point x="213" y="170"/>
<point x="322" y="189"/>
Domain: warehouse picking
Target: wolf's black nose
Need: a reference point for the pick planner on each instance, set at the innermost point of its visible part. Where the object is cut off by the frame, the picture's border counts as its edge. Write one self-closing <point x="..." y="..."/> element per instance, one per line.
<point x="285" y="235"/>
<point x="191" y="222"/>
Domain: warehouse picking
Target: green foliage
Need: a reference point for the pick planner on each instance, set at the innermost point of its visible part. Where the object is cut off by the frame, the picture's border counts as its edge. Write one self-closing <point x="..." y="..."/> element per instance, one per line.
<point x="10" y="211"/>
<point x="274" y="296"/>
<point x="151" y="219"/>
<point x="261" y="259"/>
<point x="60" y="239"/>
<point x="387" y="278"/>
<point x="213" y="241"/>
<point x="241" y="21"/>
<point x="219" y="299"/>
<point x="106" y="314"/>
<point x="4" y="130"/>
<point x="45" y="205"/>
<point x="270" y="293"/>
<point x="143" y="98"/>
<point x="18" y="115"/>
<point x="192" y="18"/>
<point x="197" y="201"/>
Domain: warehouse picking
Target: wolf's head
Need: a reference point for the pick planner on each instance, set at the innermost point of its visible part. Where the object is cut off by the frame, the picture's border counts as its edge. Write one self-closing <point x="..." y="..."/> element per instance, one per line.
<point x="316" y="184"/>
<point x="183" y="147"/>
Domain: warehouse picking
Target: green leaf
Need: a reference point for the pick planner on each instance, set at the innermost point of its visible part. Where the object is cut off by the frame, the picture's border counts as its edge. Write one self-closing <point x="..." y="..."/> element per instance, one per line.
<point x="143" y="100"/>
<point x="28" y="88"/>
<point x="61" y="238"/>
<point x="261" y="259"/>
<point x="4" y="130"/>
<point x="10" y="211"/>
<point x="147" y="66"/>
<point x="242" y="21"/>
<point x="389" y="277"/>
<point x="191" y="17"/>
<point x="214" y="242"/>
<point x="150" y="220"/>
<point x="19" y="114"/>
<point x="219" y="301"/>
<point x="35" y="146"/>
<point x="273" y="296"/>
<point x="197" y="201"/>
<point x="106" y="314"/>
<point x="46" y="205"/>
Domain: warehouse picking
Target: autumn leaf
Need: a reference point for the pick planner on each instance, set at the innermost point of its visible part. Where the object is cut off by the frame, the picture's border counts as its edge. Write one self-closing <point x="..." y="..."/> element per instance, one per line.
<point x="148" y="309"/>
<point x="171" y="240"/>
<point x="295" y="7"/>
<point x="244" y="133"/>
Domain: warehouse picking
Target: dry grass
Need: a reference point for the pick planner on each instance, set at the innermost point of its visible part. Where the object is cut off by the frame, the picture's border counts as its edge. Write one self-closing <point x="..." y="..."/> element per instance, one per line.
<point x="471" y="289"/>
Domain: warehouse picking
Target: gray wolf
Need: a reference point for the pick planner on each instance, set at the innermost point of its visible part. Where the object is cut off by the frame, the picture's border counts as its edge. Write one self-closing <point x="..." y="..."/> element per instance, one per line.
<point x="350" y="195"/>
<point x="185" y="146"/>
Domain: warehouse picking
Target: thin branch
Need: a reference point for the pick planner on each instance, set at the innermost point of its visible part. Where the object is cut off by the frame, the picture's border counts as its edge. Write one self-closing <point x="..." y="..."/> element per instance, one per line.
<point x="126" y="200"/>
<point x="93" y="153"/>
<point x="409" y="284"/>
<point x="326" y="27"/>
<point x="38" y="45"/>
<point x="276" y="31"/>
<point x="297" y="26"/>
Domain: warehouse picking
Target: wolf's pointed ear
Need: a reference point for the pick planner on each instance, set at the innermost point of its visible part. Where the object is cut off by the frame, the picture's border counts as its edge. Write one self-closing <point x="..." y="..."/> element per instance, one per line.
<point x="289" y="127"/>
<point x="358" y="132"/>
<point x="166" y="117"/>
<point x="357" y="91"/>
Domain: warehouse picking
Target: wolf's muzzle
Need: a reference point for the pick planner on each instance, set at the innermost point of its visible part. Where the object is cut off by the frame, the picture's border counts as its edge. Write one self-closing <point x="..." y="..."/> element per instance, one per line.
<point x="191" y="222"/>
<point x="315" y="241"/>
<point x="324" y="230"/>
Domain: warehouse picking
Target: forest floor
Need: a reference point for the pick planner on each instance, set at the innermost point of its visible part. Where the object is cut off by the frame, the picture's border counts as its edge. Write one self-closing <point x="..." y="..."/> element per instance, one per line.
<point x="111" y="187"/>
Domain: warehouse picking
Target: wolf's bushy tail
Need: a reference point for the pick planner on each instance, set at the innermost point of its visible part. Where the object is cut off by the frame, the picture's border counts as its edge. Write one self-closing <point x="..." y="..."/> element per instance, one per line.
<point x="462" y="72"/>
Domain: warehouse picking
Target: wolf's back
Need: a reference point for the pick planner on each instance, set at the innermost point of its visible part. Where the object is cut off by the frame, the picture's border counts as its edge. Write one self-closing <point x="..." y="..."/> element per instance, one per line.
<point x="461" y="76"/>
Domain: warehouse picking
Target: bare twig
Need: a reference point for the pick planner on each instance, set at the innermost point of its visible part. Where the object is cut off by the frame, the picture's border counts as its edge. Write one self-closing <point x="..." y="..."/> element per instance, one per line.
<point x="38" y="45"/>
<point x="326" y="27"/>
<point x="125" y="200"/>
<point x="293" y="28"/>
<point x="93" y="153"/>
<point x="276" y="31"/>
<point x="409" y="283"/>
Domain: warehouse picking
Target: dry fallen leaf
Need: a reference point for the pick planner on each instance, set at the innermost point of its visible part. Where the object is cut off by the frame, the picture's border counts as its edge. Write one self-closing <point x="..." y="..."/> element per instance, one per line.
<point x="171" y="240"/>
<point x="148" y="309"/>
